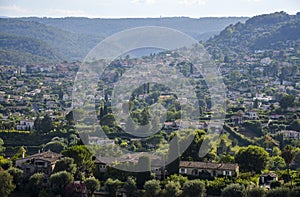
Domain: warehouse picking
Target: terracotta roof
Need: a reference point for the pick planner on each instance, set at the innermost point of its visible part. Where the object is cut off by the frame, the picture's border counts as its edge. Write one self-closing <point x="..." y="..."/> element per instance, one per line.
<point x="46" y="156"/>
<point x="132" y="158"/>
<point x="208" y="165"/>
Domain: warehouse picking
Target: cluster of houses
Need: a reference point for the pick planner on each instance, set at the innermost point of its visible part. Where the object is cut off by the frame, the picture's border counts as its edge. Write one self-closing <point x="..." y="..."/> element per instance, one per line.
<point x="44" y="162"/>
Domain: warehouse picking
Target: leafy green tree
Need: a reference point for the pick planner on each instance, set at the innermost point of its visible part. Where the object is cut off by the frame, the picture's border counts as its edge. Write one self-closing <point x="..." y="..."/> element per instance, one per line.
<point x="65" y="164"/>
<point x="280" y="191"/>
<point x="112" y="186"/>
<point x="172" y="189"/>
<point x="60" y="180"/>
<point x="178" y="178"/>
<point x="276" y="151"/>
<point x="108" y="120"/>
<point x="19" y="154"/>
<point x="256" y="192"/>
<point x="275" y="184"/>
<point x="173" y="153"/>
<point x="287" y="101"/>
<point x="2" y="148"/>
<point x="36" y="183"/>
<point x="295" y="125"/>
<point x="193" y="188"/>
<point x="82" y="157"/>
<point x="277" y="163"/>
<point x="214" y="187"/>
<point x="55" y="146"/>
<point x="143" y="176"/>
<point x="288" y="154"/>
<point x="92" y="184"/>
<point x="152" y="188"/>
<point x="252" y="158"/>
<point x="130" y="186"/>
<point x="7" y="186"/>
<point x="5" y="163"/>
<point x="295" y="192"/>
<point x="43" y="125"/>
<point x="233" y="190"/>
<point x="17" y="175"/>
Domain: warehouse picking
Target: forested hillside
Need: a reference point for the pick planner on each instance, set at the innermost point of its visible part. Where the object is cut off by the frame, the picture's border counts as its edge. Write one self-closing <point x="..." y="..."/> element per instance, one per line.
<point x="15" y="49"/>
<point x="68" y="46"/>
<point x="278" y="30"/>
<point x="72" y="38"/>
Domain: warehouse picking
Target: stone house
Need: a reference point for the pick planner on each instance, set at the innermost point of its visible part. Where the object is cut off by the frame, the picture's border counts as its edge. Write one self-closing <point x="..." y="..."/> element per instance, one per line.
<point x="210" y="169"/>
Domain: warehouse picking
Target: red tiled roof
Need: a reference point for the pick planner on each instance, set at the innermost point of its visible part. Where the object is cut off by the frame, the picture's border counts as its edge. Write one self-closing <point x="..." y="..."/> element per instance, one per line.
<point x="208" y="165"/>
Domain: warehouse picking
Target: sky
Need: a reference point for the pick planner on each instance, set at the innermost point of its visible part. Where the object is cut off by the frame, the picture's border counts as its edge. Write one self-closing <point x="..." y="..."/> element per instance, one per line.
<point x="144" y="8"/>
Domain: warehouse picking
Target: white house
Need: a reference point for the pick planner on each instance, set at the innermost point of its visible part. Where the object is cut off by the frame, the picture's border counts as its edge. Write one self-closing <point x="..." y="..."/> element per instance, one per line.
<point x="290" y="134"/>
<point x="25" y="125"/>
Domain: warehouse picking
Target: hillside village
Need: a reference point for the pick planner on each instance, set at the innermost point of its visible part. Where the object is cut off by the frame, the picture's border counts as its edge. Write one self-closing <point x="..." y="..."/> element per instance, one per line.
<point x="257" y="151"/>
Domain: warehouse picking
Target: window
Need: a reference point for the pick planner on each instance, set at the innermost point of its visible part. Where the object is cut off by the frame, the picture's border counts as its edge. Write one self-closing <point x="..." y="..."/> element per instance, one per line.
<point x="183" y="170"/>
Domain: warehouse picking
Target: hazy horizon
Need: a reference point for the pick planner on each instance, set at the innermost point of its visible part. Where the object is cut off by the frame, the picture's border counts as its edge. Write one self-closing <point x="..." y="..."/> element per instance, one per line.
<point x="144" y="8"/>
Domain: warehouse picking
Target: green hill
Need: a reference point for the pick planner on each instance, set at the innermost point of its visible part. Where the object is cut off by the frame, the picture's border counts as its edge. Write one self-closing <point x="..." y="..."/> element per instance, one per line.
<point x="69" y="46"/>
<point x="16" y="49"/>
<point x="72" y="38"/>
<point x="276" y="30"/>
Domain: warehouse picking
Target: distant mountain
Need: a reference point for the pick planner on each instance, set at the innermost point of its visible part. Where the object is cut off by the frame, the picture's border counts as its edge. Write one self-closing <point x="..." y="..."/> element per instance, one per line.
<point x="72" y="38"/>
<point x="268" y="31"/>
<point x="200" y="29"/>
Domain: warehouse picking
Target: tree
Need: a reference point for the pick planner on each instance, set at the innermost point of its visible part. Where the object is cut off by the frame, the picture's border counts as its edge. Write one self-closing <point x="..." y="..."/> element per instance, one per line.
<point x="92" y="184"/>
<point x="178" y="178"/>
<point x="281" y="191"/>
<point x="43" y="125"/>
<point x="112" y="186"/>
<point x="252" y="158"/>
<point x="295" y="192"/>
<point x="65" y="164"/>
<point x="287" y="101"/>
<point x="17" y="175"/>
<point x="173" y="156"/>
<point x="7" y="186"/>
<point x="142" y="175"/>
<point x="82" y="157"/>
<point x="55" y="146"/>
<point x="60" y="180"/>
<point x="276" y="151"/>
<point x="288" y="154"/>
<point x="172" y="189"/>
<point x="256" y="192"/>
<point x="193" y="188"/>
<point x="36" y="183"/>
<point x="108" y="120"/>
<point x="277" y="163"/>
<point x="130" y="186"/>
<point x="5" y="163"/>
<point x="233" y="190"/>
<point x="295" y="125"/>
<point x="152" y="188"/>
<point x="275" y="184"/>
<point x="2" y="148"/>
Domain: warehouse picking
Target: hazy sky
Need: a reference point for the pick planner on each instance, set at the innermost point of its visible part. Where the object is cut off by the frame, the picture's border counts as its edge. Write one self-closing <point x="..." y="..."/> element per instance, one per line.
<point x="145" y="8"/>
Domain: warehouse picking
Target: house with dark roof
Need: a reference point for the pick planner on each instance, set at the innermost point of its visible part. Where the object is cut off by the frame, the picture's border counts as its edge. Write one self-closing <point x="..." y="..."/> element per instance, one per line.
<point x="266" y="179"/>
<point x="208" y="169"/>
<point x="43" y="162"/>
<point x="156" y="162"/>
